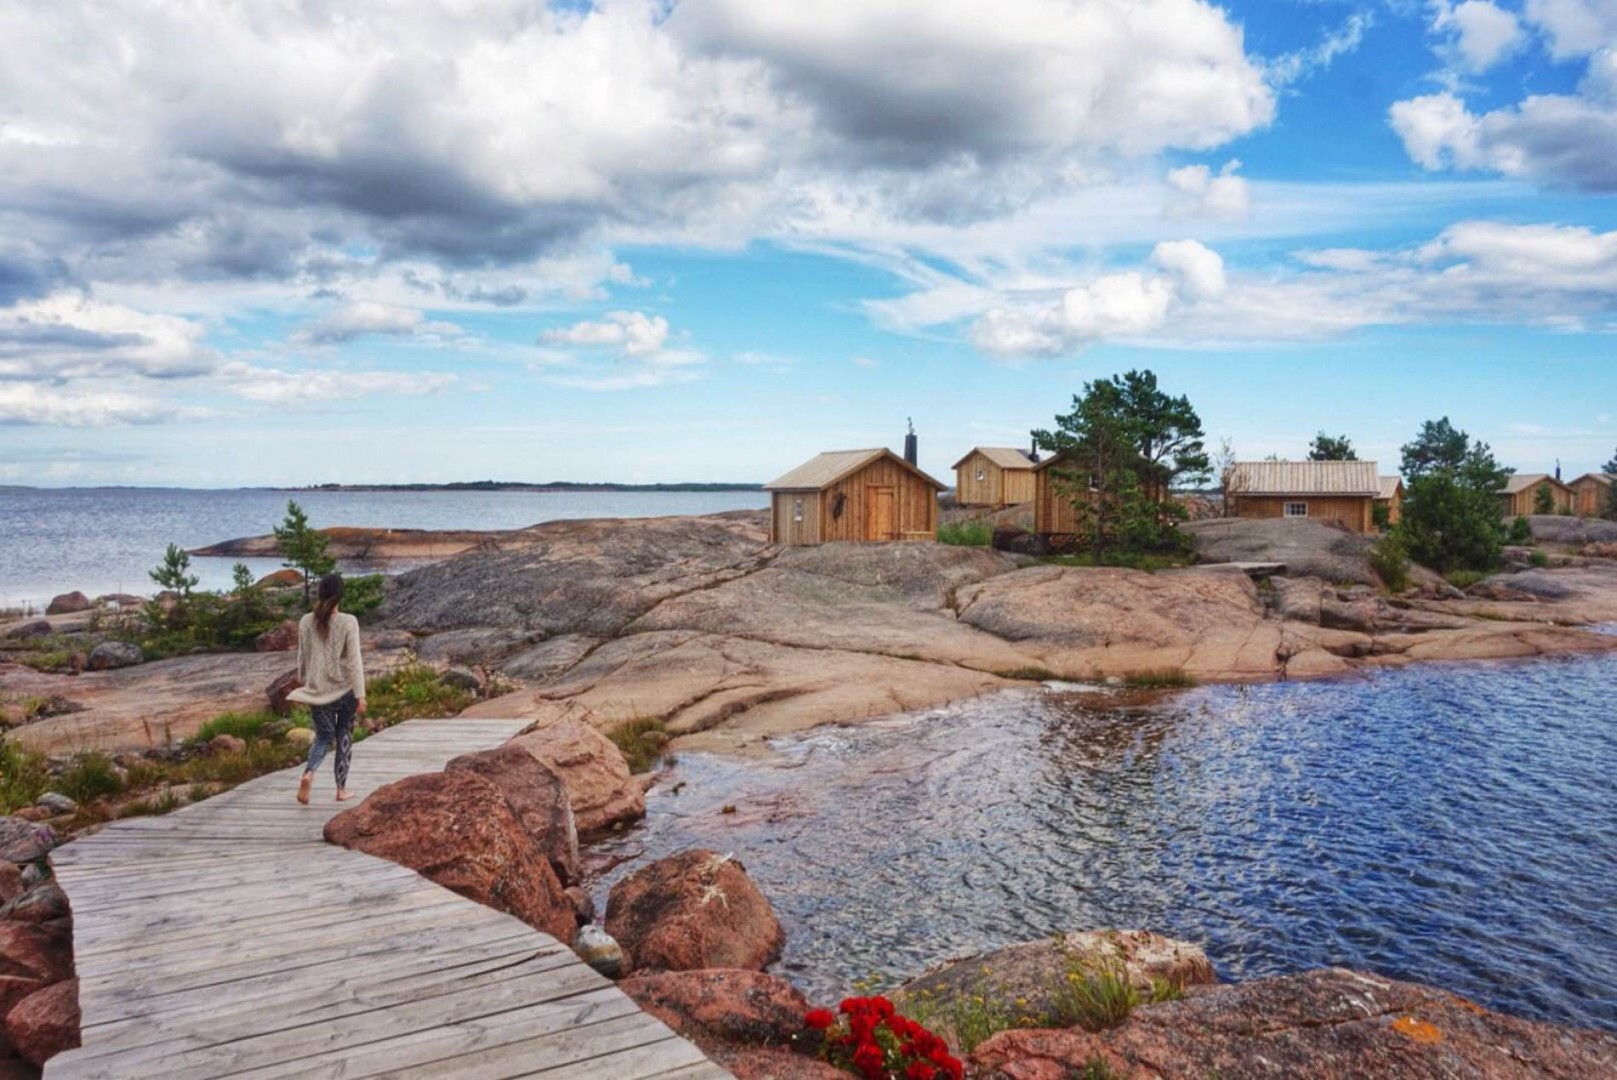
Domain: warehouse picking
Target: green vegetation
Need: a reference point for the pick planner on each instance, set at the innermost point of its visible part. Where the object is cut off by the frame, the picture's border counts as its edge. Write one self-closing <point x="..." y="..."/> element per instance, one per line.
<point x="90" y="777"/>
<point x="244" y="726"/>
<point x="1381" y="516"/>
<point x="1539" y="559"/>
<point x="1543" y="499"/>
<point x="1451" y="515"/>
<point x="1464" y="579"/>
<point x="1610" y="469"/>
<point x="1160" y="679"/>
<point x="1027" y="674"/>
<point x="46" y="658"/>
<point x="1122" y="448"/>
<point x="641" y="739"/>
<point x="173" y="573"/>
<point x="1521" y="531"/>
<point x="1390" y="560"/>
<point x="1148" y="561"/>
<point x="413" y="691"/>
<point x="1331" y="448"/>
<point x="1097" y="1069"/>
<point x="23" y="776"/>
<point x="977" y="532"/>
<point x="303" y="546"/>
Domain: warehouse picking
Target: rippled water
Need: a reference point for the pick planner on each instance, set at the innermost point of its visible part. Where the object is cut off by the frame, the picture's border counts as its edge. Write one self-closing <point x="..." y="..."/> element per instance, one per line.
<point x="1455" y="825"/>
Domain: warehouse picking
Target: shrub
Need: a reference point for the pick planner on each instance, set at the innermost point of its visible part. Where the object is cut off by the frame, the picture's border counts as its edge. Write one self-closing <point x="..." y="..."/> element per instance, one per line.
<point x="641" y="739"/>
<point x="1521" y="531"/>
<point x="1539" y="559"/>
<point x="1390" y="560"/>
<point x="90" y="777"/>
<point x="363" y="595"/>
<point x="1464" y="579"/>
<point x="413" y="691"/>
<point x="23" y="776"/>
<point x="976" y="532"/>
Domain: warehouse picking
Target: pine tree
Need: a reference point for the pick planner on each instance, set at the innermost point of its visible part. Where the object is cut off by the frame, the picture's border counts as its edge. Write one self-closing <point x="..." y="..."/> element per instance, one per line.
<point x="1332" y="448"/>
<point x="173" y="573"/>
<point x="303" y="547"/>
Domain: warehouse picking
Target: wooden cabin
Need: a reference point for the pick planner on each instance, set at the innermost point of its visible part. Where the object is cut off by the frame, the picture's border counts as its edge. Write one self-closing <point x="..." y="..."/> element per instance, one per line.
<point x="853" y="495"/>
<point x="994" y="476"/>
<point x="1591" y="494"/>
<point x="1343" y="491"/>
<point x="1391" y="496"/>
<point x="1055" y="511"/>
<point x="1520" y="494"/>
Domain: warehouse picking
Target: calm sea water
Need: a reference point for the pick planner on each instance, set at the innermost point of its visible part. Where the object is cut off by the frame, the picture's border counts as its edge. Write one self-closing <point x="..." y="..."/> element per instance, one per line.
<point x="102" y="540"/>
<point x="1455" y="825"/>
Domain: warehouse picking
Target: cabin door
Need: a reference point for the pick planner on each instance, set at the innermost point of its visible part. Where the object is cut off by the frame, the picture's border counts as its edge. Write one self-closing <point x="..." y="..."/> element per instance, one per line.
<point x="880" y="517"/>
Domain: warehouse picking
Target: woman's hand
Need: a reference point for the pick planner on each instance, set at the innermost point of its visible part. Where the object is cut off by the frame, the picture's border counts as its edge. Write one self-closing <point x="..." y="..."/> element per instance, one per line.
<point x="360" y="709"/>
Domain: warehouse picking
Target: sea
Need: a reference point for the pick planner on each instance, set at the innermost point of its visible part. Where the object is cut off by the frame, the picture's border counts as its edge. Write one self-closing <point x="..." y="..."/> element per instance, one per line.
<point x="106" y="540"/>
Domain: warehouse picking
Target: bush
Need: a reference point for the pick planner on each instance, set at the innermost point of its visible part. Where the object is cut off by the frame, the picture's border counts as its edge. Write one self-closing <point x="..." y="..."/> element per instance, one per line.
<point x="977" y="532"/>
<point x="1539" y="559"/>
<point x="413" y="691"/>
<point x="641" y="739"/>
<point x="1521" y="531"/>
<point x="92" y="776"/>
<point x="1390" y="560"/>
<point x="363" y="595"/>
<point x="23" y="776"/>
<point x="1464" y="579"/>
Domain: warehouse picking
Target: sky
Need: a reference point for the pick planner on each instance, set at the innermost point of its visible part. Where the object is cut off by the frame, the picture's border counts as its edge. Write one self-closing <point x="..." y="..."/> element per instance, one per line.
<point x="305" y="241"/>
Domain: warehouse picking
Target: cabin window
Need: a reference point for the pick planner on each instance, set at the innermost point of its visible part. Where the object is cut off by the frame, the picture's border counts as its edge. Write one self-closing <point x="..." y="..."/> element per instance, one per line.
<point x="1296" y="509"/>
<point x="797" y="509"/>
<point x="982" y="474"/>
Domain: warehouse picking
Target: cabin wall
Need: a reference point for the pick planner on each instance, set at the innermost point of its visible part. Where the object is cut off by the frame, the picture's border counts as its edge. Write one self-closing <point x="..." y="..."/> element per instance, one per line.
<point x="915" y="504"/>
<point x="970" y="491"/>
<point x="1019" y="486"/>
<point x="1352" y="511"/>
<point x="1521" y="503"/>
<point x="784" y="528"/>
<point x="1053" y="509"/>
<point x="1395" y="509"/>
<point x="1589" y="498"/>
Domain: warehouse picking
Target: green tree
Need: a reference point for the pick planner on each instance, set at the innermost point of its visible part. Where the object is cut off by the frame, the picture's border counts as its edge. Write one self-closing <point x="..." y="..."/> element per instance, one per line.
<point x="1098" y="461"/>
<point x="173" y="573"/>
<point x="1167" y="432"/>
<point x="1610" y="469"/>
<point x="303" y="547"/>
<point x="1543" y="500"/>
<point x="1451" y="518"/>
<point x="1331" y="448"/>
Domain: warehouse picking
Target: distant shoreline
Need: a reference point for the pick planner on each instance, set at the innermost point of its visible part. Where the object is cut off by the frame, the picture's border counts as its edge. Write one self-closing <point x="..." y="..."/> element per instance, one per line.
<point x="456" y="486"/>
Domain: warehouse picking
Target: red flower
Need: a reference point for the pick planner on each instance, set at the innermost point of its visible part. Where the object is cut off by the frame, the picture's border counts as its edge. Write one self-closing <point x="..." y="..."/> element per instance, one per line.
<point x="819" y="1019"/>
<point x="920" y="1070"/>
<point x="869" y="1060"/>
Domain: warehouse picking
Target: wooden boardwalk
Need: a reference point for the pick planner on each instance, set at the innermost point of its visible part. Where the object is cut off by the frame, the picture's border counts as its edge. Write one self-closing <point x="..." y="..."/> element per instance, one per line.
<point x="228" y="939"/>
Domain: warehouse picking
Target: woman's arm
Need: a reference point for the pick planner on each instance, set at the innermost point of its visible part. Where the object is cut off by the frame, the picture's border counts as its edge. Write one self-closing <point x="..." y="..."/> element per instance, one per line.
<point x="303" y="653"/>
<point x="356" y="664"/>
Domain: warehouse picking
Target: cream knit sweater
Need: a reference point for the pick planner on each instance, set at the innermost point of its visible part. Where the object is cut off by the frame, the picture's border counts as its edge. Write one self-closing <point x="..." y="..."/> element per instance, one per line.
<point x="330" y="666"/>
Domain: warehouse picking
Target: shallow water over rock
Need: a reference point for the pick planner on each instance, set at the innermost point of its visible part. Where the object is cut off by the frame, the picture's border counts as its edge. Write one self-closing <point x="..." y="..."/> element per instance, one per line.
<point x="1454" y="825"/>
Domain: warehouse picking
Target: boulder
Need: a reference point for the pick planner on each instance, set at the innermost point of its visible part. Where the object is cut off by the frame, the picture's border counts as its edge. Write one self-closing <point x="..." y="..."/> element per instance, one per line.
<point x="1317" y="1025"/>
<point x="1306" y="548"/>
<point x="281" y="638"/>
<point x="603" y="791"/>
<point x="32" y="957"/>
<point x="697" y="909"/>
<point x="285" y="578"/>
<point x="463" y="679"/>
<point x="10" y="882"/>
<point x="1360" y="615"/>
<point x="1297" y="599"/>
<point x="24" y="841"/>
<point x="277" y="691"/>
<point x="549" y="658"/>
<point x="457" y="829"/>
<point x="583" y="904"/>
<point x="1029" y="973"/>
<point x="68" y="603"/>
<point x="45" y="1023"/>
<point x="29" y="628"/>
<point x="300" y="736"/>
<point x="225" y="744"/>
<point x="722" y="1006"/>
<point x="119" y="600"/>
<point x="40" y="903"/>
<point x="538" y="798"/>
<point x="56" y="803"/>
<point x="114" y="654"/>
<point x="599" y="950"/>
<point x="768" y="1063"/>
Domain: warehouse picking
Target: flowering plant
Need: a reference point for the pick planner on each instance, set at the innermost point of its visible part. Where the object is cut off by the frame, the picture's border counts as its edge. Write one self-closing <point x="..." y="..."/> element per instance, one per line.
<point x="873" y="1041"/>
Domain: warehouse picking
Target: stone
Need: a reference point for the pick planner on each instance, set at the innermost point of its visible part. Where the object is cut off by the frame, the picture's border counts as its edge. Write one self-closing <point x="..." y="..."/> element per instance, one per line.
<point x="276" y="692"/>
<point x="768" y="1063"/>
<point x="56" y="803"/>
<point x="720" y="1007"/>
<point x="280" y="638"/>
<point x="32" y="957"/>
<point x="10" y="882"/>
<point x="32" y="874"/>
<point x="1027" y="974"/>
<point x="1297" y="599"/>
<point x="1359" y="615"/>
<point x="274" y="729"/>
<point x="457" y="829"/>
<point x="1306" y="548"/>
<point x="45" y="1023"/>
<point x="32" y="813"/>
<point x="68" y="603"/>
<point x="300" y="736"/>
<point x="42" y="902"/>
<point x="29" y="628"/>
<point x="599" y="950"/>
<point x="109" y="655"/>
<point x="538" y="798"/>
<point x="463" y="679"/>
<point x="583" y="903"/>
<point x="284" y="578"/>
<point x="225" y="744"/>
<point x="603" y="791"/>
<point x="24" y="841"/>
<point x="696" y="909"/>
<point x="1331" y="1024"/>
<point x="481" y="646"/>
<point x="119" y="600"/>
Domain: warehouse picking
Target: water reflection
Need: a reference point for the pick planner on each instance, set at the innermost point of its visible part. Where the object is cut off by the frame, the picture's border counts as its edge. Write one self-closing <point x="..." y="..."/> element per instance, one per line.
<point x="1455" y="825"/>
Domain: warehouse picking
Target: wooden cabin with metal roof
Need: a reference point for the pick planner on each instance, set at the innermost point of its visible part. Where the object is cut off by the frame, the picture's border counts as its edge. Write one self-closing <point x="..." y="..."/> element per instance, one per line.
<point x="1343" y="491"/>
<point x="1391" y="496"/>
<point x="1591" y="494"/>
<point x="853" y="495"/>
<point x="994" y="476"/>
<point x="1519" y="496"/>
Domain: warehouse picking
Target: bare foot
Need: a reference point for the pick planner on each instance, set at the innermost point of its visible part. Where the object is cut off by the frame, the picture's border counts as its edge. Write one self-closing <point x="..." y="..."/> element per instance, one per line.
<point x="303" y="788"/>
<point x="343" y="796"/>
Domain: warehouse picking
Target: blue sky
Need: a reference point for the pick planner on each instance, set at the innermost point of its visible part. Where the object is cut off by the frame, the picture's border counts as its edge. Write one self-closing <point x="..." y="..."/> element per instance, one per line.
<point x="651" y="242"/>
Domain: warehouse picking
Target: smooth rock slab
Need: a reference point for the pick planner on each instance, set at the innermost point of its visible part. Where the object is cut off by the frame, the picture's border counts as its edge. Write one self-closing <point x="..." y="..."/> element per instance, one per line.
<point x="68" y="603"/>
<point x="602" y="790"/>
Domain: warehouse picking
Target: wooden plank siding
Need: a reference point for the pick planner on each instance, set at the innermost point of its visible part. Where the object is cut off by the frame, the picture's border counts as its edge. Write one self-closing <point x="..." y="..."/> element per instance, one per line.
<point x="784" y="526"/>
<point x="1354" y="511"/>
<point x="1054" y="512"/>
<point x="845" y="506"/>
<point x="1520" y="504"/>
<point x="998" y="487"/>
<point x="1590" y="495"/>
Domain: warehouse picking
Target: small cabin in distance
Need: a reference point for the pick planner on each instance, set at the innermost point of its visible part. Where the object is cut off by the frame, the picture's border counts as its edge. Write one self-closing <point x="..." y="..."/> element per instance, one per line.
<point x="1519" y="496"/>
<point x="994" y="476"/>
<point x="871" y="495"/>
<point x="1391" y="496"/>
<point x="1591" y="494"/>
<point x="1343" y="491"/>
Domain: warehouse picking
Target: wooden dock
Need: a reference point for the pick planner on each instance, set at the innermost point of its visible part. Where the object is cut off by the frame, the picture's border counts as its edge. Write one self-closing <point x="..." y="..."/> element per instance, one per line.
<point x="228" y="939"/>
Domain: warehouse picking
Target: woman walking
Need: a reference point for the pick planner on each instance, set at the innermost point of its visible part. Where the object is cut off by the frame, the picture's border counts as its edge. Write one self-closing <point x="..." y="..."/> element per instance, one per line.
<point x="333" y="677"/>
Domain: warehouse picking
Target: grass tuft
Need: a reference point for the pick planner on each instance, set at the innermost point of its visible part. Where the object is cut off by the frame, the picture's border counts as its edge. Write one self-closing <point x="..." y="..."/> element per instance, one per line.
<point x="1027" y="674"/>
<point x="976" y="532"/>
<point x="411" y="692"/>
<point x="90" y="777"/>
<point x="1464" y="579"/>
<point x="23" y="776"/>
<point x="642" y="740"/>
<point x="1159" y="679"/>
<point x="244" y="726"/>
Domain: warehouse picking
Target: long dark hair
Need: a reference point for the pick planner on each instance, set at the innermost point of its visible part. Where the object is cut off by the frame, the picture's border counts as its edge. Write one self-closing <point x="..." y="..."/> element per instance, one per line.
<point x="326" y="598"/>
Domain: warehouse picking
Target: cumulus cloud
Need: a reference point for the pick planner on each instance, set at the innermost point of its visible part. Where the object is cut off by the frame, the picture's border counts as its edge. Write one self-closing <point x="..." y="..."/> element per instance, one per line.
<point x="365" y="317"/>
<point x="1481" y="33"/>
<point x="69" y="334"/>
<point x="1203" y="193"/>
<point x="274" y="386"/>
<point x="624" y="350"/>
<point x="637" y="333"/>
<point x="26" y="404"/>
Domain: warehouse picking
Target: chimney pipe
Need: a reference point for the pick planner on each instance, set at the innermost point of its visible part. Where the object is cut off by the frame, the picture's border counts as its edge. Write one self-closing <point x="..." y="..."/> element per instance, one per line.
<point x="1033" y="451"/>
<point x="1558" y="470"/>
<point x="910" y="447"/>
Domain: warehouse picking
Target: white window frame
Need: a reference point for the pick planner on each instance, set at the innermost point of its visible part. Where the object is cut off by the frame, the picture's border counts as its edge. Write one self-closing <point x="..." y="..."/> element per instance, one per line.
<point x="797" y="509"/>
<point x="1295" y="505"/>
<point x="982" y="474"/>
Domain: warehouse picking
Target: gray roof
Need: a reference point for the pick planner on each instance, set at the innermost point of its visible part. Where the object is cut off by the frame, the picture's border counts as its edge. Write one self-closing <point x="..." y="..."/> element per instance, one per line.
<point x="1520" y="482"/>
<point x="1389" y="486"/>
<point x="823" y="470"/>
<point x="1346" y="478"/>
<point x="1597" y="477"/>
<point x="1006" y="457"/>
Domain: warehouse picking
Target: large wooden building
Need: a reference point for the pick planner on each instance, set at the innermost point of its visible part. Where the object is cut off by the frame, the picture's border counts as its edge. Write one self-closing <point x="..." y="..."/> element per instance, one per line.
<point x="1519" y="496"/>
<point x="1343" y="491"/>
<point x="1591" y="494"/>
<point x="994" y="476"/>
<point x="1391" y="496"/>
<point x="853" y="495"/>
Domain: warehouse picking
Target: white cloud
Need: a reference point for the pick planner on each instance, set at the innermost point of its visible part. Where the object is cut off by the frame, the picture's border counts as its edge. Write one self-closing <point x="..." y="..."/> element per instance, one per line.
<point x="1481" y="33"/>
<point x="69" y="334"/>
<point x="364" y="317"/>
<point x="864" y="362"/>
<point x="1198" y="270"/>
<point x="637" y="333"/>
<point x="315" y="387"/>
<point x="1574" y="28"/>
<point x="31" y="404"/>
<point x="1208" y="195"/>
<point x="1295" y="66"/>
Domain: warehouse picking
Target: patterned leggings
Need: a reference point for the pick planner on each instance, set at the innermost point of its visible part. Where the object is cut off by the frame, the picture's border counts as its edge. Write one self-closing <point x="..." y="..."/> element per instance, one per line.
<point x="334" y="723"/>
